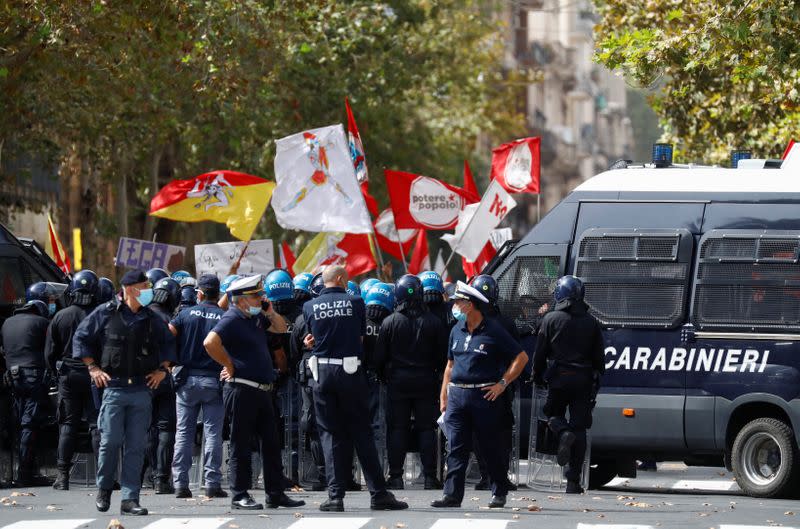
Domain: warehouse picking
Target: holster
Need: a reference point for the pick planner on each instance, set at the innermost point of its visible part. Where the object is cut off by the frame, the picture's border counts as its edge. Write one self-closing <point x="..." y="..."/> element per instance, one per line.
<point x="179" y="376"/>
<point x="313" y="365"/>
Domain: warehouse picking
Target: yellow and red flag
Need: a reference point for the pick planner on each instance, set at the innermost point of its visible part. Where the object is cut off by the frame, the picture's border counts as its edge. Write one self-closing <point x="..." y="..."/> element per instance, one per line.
<point x="237" y="200"/>
<point x="54" y="248"/>
<point x="352" y="250"/>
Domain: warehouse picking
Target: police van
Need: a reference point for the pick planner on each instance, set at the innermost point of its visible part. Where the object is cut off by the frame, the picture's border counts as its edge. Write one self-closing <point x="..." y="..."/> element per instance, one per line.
<point x="694" y="272"/>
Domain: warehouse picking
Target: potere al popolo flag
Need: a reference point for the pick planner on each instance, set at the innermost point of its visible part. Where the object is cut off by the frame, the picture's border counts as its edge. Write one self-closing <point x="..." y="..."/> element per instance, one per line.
<point x="516" y="165"/>
<point x="55" y="249"/>
<point x="424" y="202"/>
<point x="390" y="239"/>
<point x="237" y="200"/>
<point x="353" y="251"/>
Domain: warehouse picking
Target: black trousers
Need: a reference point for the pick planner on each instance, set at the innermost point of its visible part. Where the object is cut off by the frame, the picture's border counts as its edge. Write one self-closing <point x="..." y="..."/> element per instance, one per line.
<point x="30" y="404"/>
<point x="308" y="425"/>
<point x="76" y="408"/>
<point x="571" y="390"/>
<point x="252" y="415"/>
<point x="425" y="411"/>
<point x="161" y="436"/>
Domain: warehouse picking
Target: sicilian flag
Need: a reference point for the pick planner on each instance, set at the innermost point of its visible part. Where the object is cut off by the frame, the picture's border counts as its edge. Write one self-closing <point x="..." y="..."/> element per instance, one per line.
<point x="353" y="251"/>
<point x="286" y="258"/>
<point x="515" y="165"/>
<point x="421" y="259"/>
<point x="237" y="200"/>
<point x="54" y="248"/>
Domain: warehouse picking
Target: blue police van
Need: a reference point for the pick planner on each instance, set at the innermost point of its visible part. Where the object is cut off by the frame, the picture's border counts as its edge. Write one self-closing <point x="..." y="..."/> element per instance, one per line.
<point x="694" y="273"/>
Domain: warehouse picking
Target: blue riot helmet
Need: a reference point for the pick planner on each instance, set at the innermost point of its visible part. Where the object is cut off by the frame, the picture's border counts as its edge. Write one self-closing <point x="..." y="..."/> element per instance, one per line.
<point x="408" y="289"/>
<point x="302" y="290"/>
<point x="223" y="287"/>
<point x="35" y="306"/>
<point x="487" y="285"/>
<point x="154" y="275"/>
<point x="317" y="285"/>
<point x="367" y="284"/>
<point x="167" y="293"/>
<point x="380" y="294"/>
<point x="83" y="288"/>
<point x="188" y="296"/>
<point x="352" y="289"/>
<point x="181" y="276"/>
<point x="568" y="288"/>
<point x="42" y="291"/>
<point x="279" y="285"/>
<point x="105" y="290"/>
<point x="432" y="287"/>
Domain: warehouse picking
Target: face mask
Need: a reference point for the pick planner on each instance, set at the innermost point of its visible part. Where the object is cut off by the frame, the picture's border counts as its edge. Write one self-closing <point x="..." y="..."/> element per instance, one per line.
<point x="254" y="311"/>
<point x="51" y="308"/>
<point x="457" y="314"/>
<point x="145" y="297"/>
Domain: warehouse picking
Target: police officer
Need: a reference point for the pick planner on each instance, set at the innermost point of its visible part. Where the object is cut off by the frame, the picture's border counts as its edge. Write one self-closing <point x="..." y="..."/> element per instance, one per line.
<point x="128" y="350"/>
<point x="337" y="325"/>
<point x="411" y="352"/>
<point x="368" y="283"/>
<point x="22" y="338"/>
<point x="75" y="401"/>
<point x="434" y="296"/>
<point x="105" y="290"/>
<point x="572" y="341"/>
<point x="154" y="275"/>
<point x="223" y="288"/>
<point x="161" y="437"/>
<point x="238" y="342"/>
<point x="302" y="290"/>
<point x="482" y="360"/>
<point x="183" y="278"/>
<point x="197" y="387"/>
<point x="188" y="293"/>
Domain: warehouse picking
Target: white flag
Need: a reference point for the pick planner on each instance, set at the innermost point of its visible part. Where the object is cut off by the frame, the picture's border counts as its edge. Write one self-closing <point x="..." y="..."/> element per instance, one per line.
<point x="476" y="222"/>
<point x="440" y="269"/>
<point x="317" y="188"/>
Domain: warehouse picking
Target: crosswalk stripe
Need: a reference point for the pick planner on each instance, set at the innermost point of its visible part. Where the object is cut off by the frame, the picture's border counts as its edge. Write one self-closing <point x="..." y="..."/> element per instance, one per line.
<point x="461" y="523"/>
<point x="50" y="524"/>
<point x="703" y="485"/>
<point x="748" y="527"/>
<point x="613" y="526"/>
<point x="187" y="523"/>
<point x="330" y="523"/>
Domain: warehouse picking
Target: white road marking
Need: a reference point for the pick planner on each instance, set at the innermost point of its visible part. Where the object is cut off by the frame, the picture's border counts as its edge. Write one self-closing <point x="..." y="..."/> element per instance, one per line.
<point x="330" y="523"/>
<point x="749" y="527"/>
<point x="187" y="523"/>
<point x="49" y="524"/>
<point x="612" y="526"/>
<point x="699" y="484"/>
<point x="461" y="523"/>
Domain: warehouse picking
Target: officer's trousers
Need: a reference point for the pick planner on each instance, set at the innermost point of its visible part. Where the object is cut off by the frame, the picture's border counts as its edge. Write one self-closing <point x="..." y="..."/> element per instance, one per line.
<point x="161" y="437"/>
<point x="469" y="412"/>
<point x="506" y="437"/>
<point x="198" y="393"/>
<point x="308" y="424"/>
<point x="401" y="407"/>
<point x="123" y="422"/>
<point x="75" y="404"/>
<point x="30" y="401"/>
<point x="251" y="414"/>
<point x="570" y="389"/>
<point x="341" y="402"/>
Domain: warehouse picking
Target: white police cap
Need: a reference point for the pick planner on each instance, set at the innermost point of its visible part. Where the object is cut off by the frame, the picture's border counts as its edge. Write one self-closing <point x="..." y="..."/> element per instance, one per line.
<point x="245" y="286"/>
<point x="464" y="291"/>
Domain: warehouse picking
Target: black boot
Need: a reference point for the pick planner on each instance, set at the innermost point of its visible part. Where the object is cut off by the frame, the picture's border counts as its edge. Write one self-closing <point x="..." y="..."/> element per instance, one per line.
<point x="332" y="505"/>
<point x="282" y="500"/>
<point x="182" y="493"/>
<point x="318" y="486"/>
<point x="446" y="501"/>
<point x="483" y="484"/>
<point x="62" y="481"/>
<point x="497" y="502"/>
<point x="573" y="487"/>
<point x="395" y="483"/>
<point x="431" y="483"/>
<point x="216" y="492"/>
<point x="246" y="503"/>
<point x="103" y="500"/>
<point x="132" y="507"/>
<point x="387" y="502"/>
<point x="163" y="486"/>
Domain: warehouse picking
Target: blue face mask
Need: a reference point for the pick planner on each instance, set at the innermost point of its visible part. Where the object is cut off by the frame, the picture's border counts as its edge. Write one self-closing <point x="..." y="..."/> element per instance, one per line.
<point x="254" y="311"/>
<point x="457" y="314"/>
<point x="145" y="297"/>
<point x="51" y="308"/>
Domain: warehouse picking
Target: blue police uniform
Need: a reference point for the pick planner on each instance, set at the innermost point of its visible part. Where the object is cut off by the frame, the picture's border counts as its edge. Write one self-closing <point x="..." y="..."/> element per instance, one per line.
<point x="197" y="388"/>
<point x="141" y="342"/>
<point x="337" y="321"/>
<point x="479" y="359"/>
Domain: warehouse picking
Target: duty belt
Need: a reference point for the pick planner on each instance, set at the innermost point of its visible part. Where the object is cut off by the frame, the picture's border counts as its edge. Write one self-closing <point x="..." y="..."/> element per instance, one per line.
<point x="333" y="361"/>
<point x="473" y="386"/>
<point x="252" y="384"/>
<point x="119" y="382"/>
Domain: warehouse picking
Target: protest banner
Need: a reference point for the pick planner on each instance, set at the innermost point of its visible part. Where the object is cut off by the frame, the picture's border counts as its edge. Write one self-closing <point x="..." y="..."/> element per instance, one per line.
<point x="259" y="258"/>
<point x="144" y="255"/>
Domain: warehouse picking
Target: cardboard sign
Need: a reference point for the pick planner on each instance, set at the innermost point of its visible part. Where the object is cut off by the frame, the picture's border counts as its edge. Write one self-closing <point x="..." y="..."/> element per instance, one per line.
<point x="135" y="253"/>
<point x="218" y="258"/>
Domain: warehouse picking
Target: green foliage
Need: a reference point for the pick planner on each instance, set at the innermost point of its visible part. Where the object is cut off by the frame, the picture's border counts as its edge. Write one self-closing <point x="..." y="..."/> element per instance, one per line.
<point x="725" y="72"/>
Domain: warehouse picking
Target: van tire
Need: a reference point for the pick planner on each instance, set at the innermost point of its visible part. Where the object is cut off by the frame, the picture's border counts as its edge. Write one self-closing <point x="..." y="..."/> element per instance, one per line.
<point x="601" y="472"/>
<point x="763" y="458"/>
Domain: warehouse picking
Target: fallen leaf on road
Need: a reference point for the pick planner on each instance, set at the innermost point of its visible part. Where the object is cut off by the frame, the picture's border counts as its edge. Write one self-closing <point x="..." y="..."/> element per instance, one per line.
<point x="263" y="515"/>
<point x="587" y="510"/>
<point x="721" y="473"/>
<point x="515" y="509"/>
<point x="233" y="526"/>
<point x="16" y="494"/>
<point x="554" y="497"/>
<point x="789" y="513"/>
<point x="515" y="517"/>
<point x="298" y="515"/>
<point x="702" y="514"/>
<point x="640" y="504"/>
<point x="54" y="508"/>
<point x="601" y="515"/>
<point x="115" y="524"/>
<point x="475" y="498"/>
<point x="597" y="498"/>
<point x="534" y="508"/>
<point x="706" y="504"/>
<point x="623" y="498"/>
<point x="298" y="489"/>
<point x="468" y="515"/>
<point x="399" y="525"/>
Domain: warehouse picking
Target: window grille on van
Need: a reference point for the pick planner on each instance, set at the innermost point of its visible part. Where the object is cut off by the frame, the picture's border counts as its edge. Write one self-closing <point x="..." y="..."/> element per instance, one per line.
<point x="748" y="280"/>
<point x="635" y="279"/>
<point x="526" y="286"/>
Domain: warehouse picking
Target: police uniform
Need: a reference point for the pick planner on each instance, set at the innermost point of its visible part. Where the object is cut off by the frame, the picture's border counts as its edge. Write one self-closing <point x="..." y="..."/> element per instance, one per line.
<point x="571" y="341"/>
<point x="127" y="346"/>
<point x="23" y="342"/>
<point x="338" y="324"/>
<point x="197" y="387"/>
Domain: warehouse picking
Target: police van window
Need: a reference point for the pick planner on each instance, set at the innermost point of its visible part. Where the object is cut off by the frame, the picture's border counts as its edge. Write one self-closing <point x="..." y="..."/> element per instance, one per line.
<point x="526" y="288"/>
<point x="748" y="280"/>
<point x="12" y="284"/>
<point x="636" y="279"/>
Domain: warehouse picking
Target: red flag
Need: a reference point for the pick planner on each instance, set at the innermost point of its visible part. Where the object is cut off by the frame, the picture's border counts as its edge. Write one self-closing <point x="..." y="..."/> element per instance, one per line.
<point x="372" y="204"/>
<point x="788" y="148"/>
<point x="421" y="260"/>
<point x="286" y="258"/>
<point x="424" y="202"/>
<point x="55" y="249"/>
<point x="357" y="255"/>
<point x="356" y="147"/>
<point x="390" y="239"/>
<point x="469" y="184"/>
<point x="515" y="165"/>
<point x="475" y="268"/>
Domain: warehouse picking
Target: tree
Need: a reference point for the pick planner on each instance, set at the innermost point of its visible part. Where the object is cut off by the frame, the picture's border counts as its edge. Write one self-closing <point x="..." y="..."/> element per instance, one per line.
<point x="726" y="72"/>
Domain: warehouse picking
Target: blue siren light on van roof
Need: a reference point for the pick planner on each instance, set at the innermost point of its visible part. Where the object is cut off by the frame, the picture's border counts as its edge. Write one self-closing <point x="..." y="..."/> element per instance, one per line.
<point x="740" y="154"/>
<point x="662" y="154"/>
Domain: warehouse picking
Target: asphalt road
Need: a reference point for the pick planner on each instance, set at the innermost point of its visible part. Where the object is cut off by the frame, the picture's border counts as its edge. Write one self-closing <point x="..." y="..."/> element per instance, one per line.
<point x="675" y="496"/>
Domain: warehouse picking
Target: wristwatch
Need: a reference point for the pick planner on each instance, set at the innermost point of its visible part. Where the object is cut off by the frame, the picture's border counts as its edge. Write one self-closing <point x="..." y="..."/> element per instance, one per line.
<point x="503" y="382"/>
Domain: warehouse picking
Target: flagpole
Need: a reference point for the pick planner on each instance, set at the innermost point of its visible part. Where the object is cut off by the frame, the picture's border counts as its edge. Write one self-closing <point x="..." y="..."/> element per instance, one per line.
<point x="463" y="232"/>
<point x="538" y="207"/>
<point x="402" y="254"/>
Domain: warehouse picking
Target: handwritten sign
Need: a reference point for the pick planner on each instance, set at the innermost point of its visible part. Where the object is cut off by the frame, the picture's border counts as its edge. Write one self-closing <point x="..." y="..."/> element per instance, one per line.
<point x="218" y="258"/>
<point x="135" y="253"/>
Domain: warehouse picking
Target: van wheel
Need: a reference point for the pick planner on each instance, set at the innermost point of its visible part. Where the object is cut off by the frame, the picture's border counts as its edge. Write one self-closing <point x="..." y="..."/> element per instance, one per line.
<point x="601" y="472"/>
<point x="762" y="458"/>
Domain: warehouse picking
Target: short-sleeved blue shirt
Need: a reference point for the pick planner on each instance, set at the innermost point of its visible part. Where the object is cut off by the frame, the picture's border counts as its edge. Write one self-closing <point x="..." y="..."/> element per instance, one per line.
<point x="337" y="321"/>
<point x="482" y="356"/>
<point x="193" y="325"/>
<point x="245" y="339"/>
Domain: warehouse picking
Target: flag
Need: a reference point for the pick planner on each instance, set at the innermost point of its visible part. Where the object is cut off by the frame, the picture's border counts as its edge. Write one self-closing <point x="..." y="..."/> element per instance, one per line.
<point x="354" y="251"/>
<point x="421" y="259"/>
<point x="390" y="239"/>
<point x="317" y="188"/>
<point x="424" y="202"/>
<point x="356" y="147"/>
<point x="474" y="268"/>
<point x="440" y="268"/>
<point x="286" y="258"/>
<point x="54" y="248"/>
<point x="372" y="204"/>
<point x="469" y="184"/>
<point x="476" y="221"/>
<point x="788" y="149"/>
<point x="515" y="165"/>
<point x="237" y="200"/>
